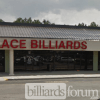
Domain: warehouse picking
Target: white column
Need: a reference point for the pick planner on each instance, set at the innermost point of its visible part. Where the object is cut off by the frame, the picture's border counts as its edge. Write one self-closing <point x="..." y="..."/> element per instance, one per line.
<point x="11" y="62"/>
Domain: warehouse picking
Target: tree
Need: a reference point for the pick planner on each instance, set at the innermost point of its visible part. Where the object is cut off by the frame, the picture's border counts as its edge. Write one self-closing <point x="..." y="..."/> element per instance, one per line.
<point x="29" y="20"/>
<point x="1" y="20"/>
<point x="36" y="22"/>
<point x="53" y="24"/>
<point x="25" y="20"/>
<point x="46" y="22"/>
<point x="19" y="20"/>
<point x="82" y="24"/>
<point x="93" y="24"/>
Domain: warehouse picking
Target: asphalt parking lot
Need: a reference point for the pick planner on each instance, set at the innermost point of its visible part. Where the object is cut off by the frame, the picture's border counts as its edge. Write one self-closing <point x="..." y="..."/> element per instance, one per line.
<point x="15" y="89"/>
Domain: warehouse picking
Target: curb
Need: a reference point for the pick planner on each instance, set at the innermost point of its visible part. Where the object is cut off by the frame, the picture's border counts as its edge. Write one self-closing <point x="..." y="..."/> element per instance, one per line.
<point x="5" y="79"/>
<point x="47" y="78"/>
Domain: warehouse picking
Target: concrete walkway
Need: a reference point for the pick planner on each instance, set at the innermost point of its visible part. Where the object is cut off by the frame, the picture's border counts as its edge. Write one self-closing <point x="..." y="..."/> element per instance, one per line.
<point x="49" y="75"/>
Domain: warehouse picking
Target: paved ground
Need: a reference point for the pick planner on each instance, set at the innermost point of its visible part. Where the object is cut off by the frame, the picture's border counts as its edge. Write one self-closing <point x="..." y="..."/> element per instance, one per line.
<point x="28" y="73"/>
<point x="15" y="89"/>
<point x="47" y="74"/>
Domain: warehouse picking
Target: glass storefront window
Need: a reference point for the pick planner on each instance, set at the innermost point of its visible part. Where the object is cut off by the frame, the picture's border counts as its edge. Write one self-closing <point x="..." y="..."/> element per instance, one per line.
<point x="59" y="60"/>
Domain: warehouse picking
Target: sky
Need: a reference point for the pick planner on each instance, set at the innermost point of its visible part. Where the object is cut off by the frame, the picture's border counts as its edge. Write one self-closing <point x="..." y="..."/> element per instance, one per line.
<point x="68" y="12"/>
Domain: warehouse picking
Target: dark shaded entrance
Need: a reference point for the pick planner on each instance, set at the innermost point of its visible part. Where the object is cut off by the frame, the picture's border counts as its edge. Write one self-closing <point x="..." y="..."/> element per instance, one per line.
<point x="73" y="60"/>
<point x="2" y="60"/>
<point x="99" y="60"/>
<point x="58" y="60"/>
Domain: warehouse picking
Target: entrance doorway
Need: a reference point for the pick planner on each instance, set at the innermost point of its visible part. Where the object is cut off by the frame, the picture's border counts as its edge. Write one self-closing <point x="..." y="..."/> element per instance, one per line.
<point x="74" y="60"/>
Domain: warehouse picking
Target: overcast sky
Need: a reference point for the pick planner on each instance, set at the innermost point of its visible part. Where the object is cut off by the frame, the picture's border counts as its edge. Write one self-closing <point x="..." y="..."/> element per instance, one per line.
<point x="69" y="12"/>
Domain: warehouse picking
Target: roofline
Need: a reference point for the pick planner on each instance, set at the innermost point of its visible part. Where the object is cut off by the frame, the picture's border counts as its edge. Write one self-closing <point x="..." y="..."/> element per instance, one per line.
<point x="75" y="39"/>
<point x="47" y="25"/>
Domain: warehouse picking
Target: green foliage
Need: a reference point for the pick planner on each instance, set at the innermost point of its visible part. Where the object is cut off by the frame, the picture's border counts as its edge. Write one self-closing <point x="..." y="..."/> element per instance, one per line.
<point x="29" y="20"/>
<point x="93" y="24"/>
<point x="53" y="24"/>
<point x="82" y="24"/>
<point x="36" y="22"/>
<point x="1" y="20"/>
<point x="46" y="22"/>
<point x="19" y="20"/>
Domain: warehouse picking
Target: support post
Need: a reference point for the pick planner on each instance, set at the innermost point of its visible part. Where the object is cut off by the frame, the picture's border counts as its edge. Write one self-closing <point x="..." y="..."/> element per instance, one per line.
<point x="7" y="61"/>
<point x="11" y="62"/>
<point x="95" y="60"/>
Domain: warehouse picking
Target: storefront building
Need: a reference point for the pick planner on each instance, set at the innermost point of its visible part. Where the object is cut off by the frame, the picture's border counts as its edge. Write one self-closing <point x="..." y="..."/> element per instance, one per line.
<point x="35" y="47"/>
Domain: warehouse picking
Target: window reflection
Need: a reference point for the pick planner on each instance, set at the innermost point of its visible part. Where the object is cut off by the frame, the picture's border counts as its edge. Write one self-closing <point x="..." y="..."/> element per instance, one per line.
<point x="59" y="60"/>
